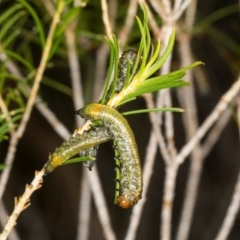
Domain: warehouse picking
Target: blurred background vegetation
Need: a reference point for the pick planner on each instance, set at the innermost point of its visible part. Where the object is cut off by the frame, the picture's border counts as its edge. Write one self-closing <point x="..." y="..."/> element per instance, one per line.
<point x="53" y="213"/>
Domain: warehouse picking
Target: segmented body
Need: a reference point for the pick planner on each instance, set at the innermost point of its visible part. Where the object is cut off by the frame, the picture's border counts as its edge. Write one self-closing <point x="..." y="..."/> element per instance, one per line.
<point x="127" y="56"/>
<point x="75" y="144"/>
<point x="131" y="177"/>
<point x="130" y="57"/>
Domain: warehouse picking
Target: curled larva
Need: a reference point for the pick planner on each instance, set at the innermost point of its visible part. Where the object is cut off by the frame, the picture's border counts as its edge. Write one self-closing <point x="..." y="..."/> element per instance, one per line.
<point x="131" y="177"/>
<point x="75" y="144"/>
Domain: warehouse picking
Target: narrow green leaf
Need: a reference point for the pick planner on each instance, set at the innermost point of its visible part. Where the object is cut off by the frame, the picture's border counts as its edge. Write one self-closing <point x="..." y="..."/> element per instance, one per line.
<point x="10" y="11"/>
<point x="8" y="24"/>
<point x="158" y="64"/>
<point x="215" y="16"/>
<point x="20" y="59"/>
<point x="80" y="159"/>
<point x="193" y="65"/>
<point x="11" y="37"/>
<point x="110" y="71"/>
<point x="66" y="19"/>
<point x="2" y="166"/>
<point x="58" y="86"/>
<point x="163" y="79"/>
<point x="153" y="110"/>
<point x="36" y="20"/>
<point x="152" y="88"/>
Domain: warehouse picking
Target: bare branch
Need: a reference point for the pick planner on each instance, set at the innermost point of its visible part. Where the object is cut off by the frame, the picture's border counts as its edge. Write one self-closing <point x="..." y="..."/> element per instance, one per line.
<point x="22" y="203"/>
<point x="129" y="20"/>
<point x="212" y="118"/>
<point x="105" y="17"/>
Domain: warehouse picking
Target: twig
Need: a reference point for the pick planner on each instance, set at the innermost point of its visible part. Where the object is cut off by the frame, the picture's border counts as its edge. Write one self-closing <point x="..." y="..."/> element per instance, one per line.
<point x="187" y="95"/>
<point x="179" y="11"/>
<point x="166" y="7"/>
<point x="100" y="71"/>
<point x="101" y="205"/>
<point x="212" y="118"/>
<point x="157" y="131"/>
<point x="129" y="20"/>
<point x="216" y="131"/>
<point x="84" y="207"/>
<point x="169" y="127"/>
<point x="22" y="203"/>
<point x="158" y="7"/>
<point x="85" y="191"/>
<point x="171" y="169"/>
<point x="74" y="69"/>
<point x="167" y="203"/>
<point x="105" y="18"/>
<point x="235" y="203"/>
<point x="190" y="15"/>
<point x="13" y="235"/>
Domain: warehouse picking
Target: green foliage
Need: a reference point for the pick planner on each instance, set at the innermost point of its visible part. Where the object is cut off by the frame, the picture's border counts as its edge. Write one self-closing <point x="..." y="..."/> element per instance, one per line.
<point x="2" y="166"/>
<point x="8" y="123"/>
<point x="153" y="110"/>
<point x="79" y="159"/>
<point x="141" y="82"/>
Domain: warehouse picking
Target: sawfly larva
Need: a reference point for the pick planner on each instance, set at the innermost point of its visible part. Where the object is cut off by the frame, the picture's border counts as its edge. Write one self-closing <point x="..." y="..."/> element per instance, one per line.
<point x="130" y="57"/>
<point x="130" y="170"/>
<point x="75" y="144"/>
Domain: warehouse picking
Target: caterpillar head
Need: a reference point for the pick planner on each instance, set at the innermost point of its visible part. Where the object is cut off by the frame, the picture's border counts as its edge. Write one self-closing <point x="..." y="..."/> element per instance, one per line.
<point x="123" y="202"/>
<point x="128" y="200"/>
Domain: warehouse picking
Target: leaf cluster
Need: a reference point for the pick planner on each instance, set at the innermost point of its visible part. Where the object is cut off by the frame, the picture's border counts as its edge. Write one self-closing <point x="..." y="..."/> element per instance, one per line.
<point x="147" y="63"/>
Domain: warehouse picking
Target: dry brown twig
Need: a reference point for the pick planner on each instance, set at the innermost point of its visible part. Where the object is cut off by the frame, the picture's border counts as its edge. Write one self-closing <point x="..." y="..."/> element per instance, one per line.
<point x="21" y="203"/>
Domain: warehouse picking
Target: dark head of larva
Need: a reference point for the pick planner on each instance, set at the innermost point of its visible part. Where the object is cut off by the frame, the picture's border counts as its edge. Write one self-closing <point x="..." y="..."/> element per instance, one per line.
<point x="90" y="110"/>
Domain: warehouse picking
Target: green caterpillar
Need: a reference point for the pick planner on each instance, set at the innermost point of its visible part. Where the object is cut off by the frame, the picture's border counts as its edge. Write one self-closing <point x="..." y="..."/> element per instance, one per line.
<point x="130" y="170"/>
<point x="75" y="144"/>
<point x="130" y="57"/>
